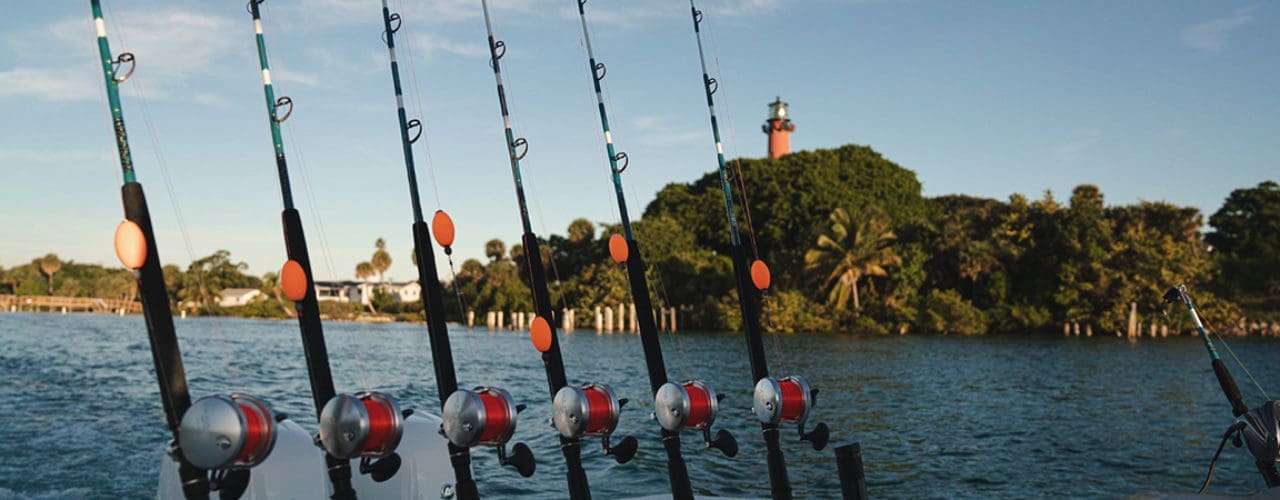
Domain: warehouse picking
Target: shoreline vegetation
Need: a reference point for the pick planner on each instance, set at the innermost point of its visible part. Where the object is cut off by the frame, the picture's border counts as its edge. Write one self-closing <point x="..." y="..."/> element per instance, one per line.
<point x="853" y="247"/>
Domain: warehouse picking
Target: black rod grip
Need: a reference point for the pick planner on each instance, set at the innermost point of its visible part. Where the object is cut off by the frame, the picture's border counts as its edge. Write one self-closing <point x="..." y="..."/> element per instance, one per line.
<point x="554" y="364"/>
<point x="748" y="298"/>
<point x="779" y="483"/>
<point x="677" y="471"/>
<point x="441" y="352"/>
<point x="313" y="345"/>
<point x="165" y="353"/>
<point x="853" y="483"/>
<point x="1229" y="388"/>
<point x="644" y="317"/>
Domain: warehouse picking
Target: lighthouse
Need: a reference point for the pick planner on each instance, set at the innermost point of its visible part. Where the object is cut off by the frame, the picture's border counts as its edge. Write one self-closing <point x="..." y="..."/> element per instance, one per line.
<point x="779" y="127"/>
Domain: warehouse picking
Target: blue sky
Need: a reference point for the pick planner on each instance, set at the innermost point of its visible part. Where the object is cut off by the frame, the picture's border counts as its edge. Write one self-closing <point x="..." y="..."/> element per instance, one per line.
<point x="1171" y="101"/>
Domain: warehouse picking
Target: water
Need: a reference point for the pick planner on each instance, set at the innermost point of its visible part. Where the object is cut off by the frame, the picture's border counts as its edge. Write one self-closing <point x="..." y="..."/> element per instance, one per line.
<point x="936" y="416"/>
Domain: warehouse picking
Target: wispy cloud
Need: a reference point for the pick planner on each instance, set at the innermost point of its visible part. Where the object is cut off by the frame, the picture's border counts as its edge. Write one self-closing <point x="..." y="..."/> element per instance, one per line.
<point x="50" y="84"/>
<point x="170" y="46"/>
<point x="631" y="15"/>
<point x="653" y="130"/>
<point x="428" y="43"/>
<point x="19" y="155"/>
<point x="1078" y="142"/>
<point x="1210" y="37"/>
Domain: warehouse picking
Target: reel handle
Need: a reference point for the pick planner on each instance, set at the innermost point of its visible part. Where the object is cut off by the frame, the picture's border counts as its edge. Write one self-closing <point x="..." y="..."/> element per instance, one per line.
<point x="624" y="451"/>
<point x="521" y="458"/>
<point x="724" y="441"/>
<point x="819" y="436"/>
<point x="381" y="469"/>
<point x="229" y="483"/>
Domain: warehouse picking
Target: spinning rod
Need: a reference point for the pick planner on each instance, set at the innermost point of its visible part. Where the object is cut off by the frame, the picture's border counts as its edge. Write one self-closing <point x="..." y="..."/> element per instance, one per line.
<point x="692" y="404"/>
<point x="135" y="244"/>
<point x="1260" y="427"/>
<point x="464" y="411"/>
<point x="788" y="399"/>
<point x="591" y="409"/>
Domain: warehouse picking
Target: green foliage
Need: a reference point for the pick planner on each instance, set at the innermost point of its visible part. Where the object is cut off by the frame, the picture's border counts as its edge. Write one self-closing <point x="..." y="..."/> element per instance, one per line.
<point x="946" y="312"/>
<point x="789" y="311"/>
<point x="1246" y="241"/>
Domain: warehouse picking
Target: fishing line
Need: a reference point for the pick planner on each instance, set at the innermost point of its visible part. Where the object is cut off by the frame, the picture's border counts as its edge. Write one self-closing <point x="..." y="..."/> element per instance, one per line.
<point x="295" y="146"/>
<point x="741" y="181"/>
<point x="426" y="143"/>
<point x="1223" y="342"/>
<point x="163" y="165"/>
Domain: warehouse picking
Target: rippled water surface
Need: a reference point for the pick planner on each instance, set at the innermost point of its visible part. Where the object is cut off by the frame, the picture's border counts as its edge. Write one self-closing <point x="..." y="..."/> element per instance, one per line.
<point x="937" y="417"/>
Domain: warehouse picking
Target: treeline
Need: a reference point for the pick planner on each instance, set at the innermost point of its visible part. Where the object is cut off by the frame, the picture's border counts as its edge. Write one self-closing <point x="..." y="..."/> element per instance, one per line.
<point x="854" y="246"/>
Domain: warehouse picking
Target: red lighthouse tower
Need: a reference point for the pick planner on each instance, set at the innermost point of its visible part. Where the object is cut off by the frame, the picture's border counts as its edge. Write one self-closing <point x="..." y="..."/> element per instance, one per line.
<point x="779" y="129"/>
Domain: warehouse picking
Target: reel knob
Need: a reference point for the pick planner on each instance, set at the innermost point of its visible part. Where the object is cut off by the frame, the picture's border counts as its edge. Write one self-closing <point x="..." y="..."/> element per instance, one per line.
<point x="227" y="432"/>
<point x="485" y="416"/>
<point x="369" y="424"/>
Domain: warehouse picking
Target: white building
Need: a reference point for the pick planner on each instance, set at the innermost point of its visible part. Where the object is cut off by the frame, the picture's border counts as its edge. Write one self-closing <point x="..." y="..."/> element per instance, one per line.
<point x="361" y="292"/>
<point x="232" y="297"/>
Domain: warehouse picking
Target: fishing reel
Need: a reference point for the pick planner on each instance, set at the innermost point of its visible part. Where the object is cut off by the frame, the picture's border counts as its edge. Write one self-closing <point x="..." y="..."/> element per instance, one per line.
<point x="486" y="416"/>
<point x="1261" y="432"/>
<point x="227" y="435"/>
<point x="788" y="400"/>
<point x="367" y="426"/>
<point x="592" y="410"/>
<point x="692" y="405"/>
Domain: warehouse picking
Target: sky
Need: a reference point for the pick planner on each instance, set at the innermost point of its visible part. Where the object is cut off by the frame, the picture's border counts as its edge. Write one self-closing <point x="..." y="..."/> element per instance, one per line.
<point x="1150" y="100"/>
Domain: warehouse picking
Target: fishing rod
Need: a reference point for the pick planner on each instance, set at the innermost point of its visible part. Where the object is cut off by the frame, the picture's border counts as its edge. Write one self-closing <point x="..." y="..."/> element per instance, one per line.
<point x="135" y="244"/>
<point x="1260" y="427"/>
<point x="464" y="412"/>
<point x="787" y="399"/>
<point x="691" y="404"/>
<point x="367" y="425"/>
<point x="591" y="409"/>
<point x="216" y="439"/>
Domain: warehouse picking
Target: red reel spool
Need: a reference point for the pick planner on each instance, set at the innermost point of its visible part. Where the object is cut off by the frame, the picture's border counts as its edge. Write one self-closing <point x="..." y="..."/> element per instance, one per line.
<point x="795" y="399"/>
<point x="602" y="409"/>
<point x="258" y="430"/>
<point x="499" y="416"/>
<point x="386" y="424"/>
<point x="703" y="405"/>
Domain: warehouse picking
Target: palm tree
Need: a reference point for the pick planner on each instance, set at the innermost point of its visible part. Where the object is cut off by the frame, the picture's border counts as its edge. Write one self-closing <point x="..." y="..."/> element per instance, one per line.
<point x="495" y="249"/>
<point x="851" y="250"/>
<point x="381" y="259"/>
<point x="364" y="270"/>
<point x="581" y="231"/>
<point x="50" y="264"/>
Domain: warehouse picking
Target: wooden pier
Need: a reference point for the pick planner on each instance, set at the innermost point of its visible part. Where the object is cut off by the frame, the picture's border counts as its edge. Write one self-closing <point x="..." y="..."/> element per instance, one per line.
<point x="45" y="303"/>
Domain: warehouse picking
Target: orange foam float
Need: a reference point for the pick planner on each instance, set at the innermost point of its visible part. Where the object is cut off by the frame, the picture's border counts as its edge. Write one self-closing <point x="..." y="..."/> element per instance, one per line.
<point x="540" y="334"/>
<point x="618" y="248"/>
<point x="442" y="228"/>
<point x="760" y="275"/>
<point x="131" y="245"/>
<point x="293" y="280"/>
